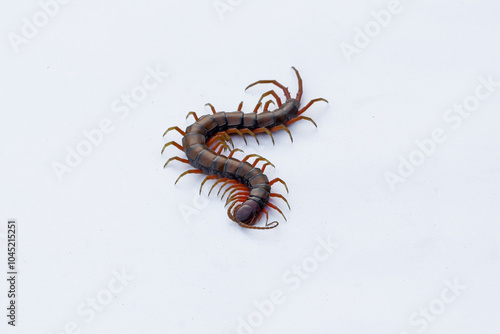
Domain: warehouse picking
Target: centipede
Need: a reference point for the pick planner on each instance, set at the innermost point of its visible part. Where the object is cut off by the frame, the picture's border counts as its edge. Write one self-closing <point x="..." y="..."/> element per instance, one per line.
<point x="248" y="189"/>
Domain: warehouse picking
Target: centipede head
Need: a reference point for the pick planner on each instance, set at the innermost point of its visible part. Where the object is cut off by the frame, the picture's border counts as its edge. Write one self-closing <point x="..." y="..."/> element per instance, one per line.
<point x="247" y="212"/>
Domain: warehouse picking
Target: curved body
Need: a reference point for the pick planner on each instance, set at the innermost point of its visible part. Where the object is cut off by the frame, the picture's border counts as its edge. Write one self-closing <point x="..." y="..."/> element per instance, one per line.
<point x="211" y="163"/>
<point x="205" y="139"/>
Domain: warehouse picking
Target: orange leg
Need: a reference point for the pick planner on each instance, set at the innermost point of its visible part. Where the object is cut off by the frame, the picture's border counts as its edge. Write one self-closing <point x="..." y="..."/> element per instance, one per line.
<point x="266" y="130"/>
<point x="310" y="104"/>
<point x="258" y="158"/>
<point x="298" y="118"/>
<point x="231" y="131"/>
<point x="282" y="127"/>
<point x="233" y="188"/>
<point x="234" y="151"/>
<point x="192" y="113"/>
<point x="274" y="82"/>
<point x="278" y="180"/>
<point x="230" y="181"/>
<point x="271" y="205"/>
<point x="266" y="106"/>
<point x="280" y="196"/>
<point x="273" y="93"/>
<point x="191" y="171"/>
<point x="211" y="107"/>
<point x="210" y="177"/>
<point x="216" y="183"/>
<point x="299" y="92"/>
<point x="174" y="128"/>
<point x="172" y="143"/>
<point x="186" y="161"/>
<point x="256" y="109"/>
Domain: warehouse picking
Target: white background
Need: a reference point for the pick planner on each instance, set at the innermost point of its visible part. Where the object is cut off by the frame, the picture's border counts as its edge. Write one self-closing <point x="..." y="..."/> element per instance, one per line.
<point x="119" y="210"/>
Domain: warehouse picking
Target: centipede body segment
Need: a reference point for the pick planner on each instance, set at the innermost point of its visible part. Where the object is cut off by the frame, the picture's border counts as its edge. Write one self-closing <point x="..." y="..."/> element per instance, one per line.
<point x="248" y="191"/>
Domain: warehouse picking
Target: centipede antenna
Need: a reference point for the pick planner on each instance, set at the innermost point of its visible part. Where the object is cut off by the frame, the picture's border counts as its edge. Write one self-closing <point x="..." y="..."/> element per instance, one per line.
<point x="272" y="225"/>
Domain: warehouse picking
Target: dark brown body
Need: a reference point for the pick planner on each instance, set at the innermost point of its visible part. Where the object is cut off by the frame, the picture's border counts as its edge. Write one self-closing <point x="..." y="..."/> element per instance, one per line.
<point x="249" y="189"/>
<point x="201" y="157"/>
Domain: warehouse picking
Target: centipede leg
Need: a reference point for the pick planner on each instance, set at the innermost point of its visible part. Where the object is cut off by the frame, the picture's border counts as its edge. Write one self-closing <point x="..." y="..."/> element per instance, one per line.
<point x="174" y="128"/>
<point x="219" y="150"/>
<point x="280" y="181"/>
<point x="218" y="147"/>
<point x="240" y="106"/>
<point x="282" y="127"/>
<point x="192" y="113"/>
<point x="256" y="109"/>
<point x="230" y="131"/>
<point x="233" y="188"/>
<point x="210" y="177"/>
<point x="258" y="158"/>
<point x="299" y="92"/>
<point x="191" y="171"/>
<point x="179" y="146"/>
<point x="211" y="107"/>
<point x="240" y="198"/>
<point x="222" y="138"/>
<point x="234" y="151"/>
<point x="186" y="161"/>
<point x="216" y="183"/>
<point x="263" y="167"/>
<point x="274" y="94"/>
<point x="266" y="106"/>
<point x="274" y="82"/>
<point x="229" y="181"/>
<point x="298" y="118"/>
<point x="282" y="197"/>
<point x="271" y="205"/>
<point x="251" y="133"/>
<point x="266" y="130"/>
<point x="311" y="103"/>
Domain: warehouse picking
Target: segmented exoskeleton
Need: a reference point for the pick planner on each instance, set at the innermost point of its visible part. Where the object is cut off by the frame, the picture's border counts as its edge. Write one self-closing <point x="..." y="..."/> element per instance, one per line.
<point x="203" y="142"/>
